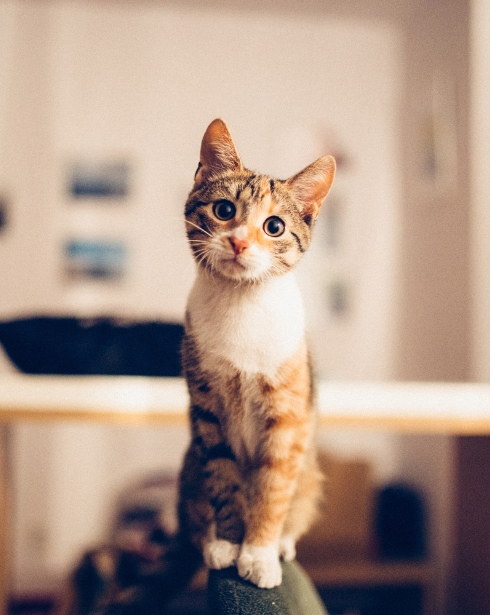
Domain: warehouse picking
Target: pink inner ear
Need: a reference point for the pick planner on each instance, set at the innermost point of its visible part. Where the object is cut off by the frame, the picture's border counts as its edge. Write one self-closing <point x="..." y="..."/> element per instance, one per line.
<point x="218" y="151"/>
<point x="311" y="185"/>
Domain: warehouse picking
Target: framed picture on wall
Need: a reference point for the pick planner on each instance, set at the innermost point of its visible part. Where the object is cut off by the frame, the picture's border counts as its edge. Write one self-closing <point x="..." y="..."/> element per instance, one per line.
<point x="107" y="179"/>
<point x="85" y="259"/>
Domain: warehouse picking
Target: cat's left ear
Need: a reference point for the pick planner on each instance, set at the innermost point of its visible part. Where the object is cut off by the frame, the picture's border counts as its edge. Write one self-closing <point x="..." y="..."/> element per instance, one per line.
<point x="311" y="185"/>
<point x="218" y="152"/>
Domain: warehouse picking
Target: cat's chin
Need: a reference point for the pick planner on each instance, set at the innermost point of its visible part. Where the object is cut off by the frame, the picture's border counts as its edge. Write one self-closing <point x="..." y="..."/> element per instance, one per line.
<point x="237" y="272"/>
<point x="244" y="278"/>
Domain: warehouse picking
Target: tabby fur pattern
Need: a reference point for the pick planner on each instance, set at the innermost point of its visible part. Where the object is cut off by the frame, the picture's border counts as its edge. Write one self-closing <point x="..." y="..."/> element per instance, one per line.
<point x="250" y="482"/>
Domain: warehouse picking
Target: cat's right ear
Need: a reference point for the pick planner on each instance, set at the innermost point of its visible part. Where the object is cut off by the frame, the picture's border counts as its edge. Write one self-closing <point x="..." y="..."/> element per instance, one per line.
<point x="218" y="152"/>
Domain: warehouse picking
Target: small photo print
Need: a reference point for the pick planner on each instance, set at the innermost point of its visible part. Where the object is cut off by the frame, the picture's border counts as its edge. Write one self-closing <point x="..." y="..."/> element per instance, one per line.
<point x="332" y="222"/>
<point x="338" y="298"/>
<point x="100" y="180"/>
<point x="94" y="260"/>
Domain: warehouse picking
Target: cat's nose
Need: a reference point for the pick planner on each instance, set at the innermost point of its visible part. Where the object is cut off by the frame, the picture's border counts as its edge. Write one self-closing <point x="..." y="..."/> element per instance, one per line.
<point x="239" y="245"/>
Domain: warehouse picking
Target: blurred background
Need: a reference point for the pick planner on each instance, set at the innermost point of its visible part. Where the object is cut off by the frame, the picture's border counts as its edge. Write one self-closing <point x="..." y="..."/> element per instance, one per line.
<point x="103" y="105"/>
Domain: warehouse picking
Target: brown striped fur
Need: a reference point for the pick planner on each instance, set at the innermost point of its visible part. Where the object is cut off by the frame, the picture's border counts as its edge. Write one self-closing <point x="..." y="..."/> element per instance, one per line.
<point x="250" y="481"/>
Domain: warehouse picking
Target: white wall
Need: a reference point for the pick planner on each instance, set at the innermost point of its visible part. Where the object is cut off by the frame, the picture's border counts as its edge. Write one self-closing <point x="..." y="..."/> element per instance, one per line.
<point x="112" y="80"/>
<point x="142" y="83"/>
<point x="140" y="80"/>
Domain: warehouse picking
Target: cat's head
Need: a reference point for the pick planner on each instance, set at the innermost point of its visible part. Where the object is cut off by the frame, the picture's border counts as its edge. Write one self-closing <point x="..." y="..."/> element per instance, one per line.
<point x="243" y="226"/>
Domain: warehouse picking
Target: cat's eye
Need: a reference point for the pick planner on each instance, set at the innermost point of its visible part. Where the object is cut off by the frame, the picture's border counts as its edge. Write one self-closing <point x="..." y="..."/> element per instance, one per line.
<point x="224" y="210"/>
<point x="274" y="226"/>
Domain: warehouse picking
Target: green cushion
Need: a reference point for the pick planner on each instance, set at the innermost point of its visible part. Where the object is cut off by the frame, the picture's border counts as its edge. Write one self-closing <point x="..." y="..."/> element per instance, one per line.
<point x="228" y="594"/>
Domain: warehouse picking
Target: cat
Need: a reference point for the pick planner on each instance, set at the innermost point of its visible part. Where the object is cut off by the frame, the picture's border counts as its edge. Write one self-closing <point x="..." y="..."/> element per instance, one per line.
<point x="250" y="483"/>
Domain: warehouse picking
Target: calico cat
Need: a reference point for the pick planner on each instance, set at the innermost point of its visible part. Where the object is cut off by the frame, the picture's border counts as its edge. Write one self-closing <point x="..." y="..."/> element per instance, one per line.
<point x="250" y="482"/>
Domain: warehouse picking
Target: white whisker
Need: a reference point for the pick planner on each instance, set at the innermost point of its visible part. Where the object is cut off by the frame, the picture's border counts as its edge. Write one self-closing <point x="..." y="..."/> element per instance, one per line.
<point x="199" y="253"/>
<point x="199" y="241"/>
<point x="199" y="228"/>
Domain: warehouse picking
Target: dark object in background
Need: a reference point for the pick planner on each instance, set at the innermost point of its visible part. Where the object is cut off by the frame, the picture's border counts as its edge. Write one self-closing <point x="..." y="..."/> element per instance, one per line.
<point x="145" y="517"/>
<point x="3" y="213"/>
<point x="108" y="581"/>
<point x="69" y="346"/>
<point x="400" y="599"/>
<point x="144" y="564"/>
<point x="400" y="523"/>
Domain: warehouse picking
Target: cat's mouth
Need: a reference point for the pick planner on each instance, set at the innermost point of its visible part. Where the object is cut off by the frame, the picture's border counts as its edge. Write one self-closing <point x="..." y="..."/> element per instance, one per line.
<point x="244" y="266"/>
<point x="236" y="263"/>
<point x="239" y="267"/>
<point x="239" y="260"/>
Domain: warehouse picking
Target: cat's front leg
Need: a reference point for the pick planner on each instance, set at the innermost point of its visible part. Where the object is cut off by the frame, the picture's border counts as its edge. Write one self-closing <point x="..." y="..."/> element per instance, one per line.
<point x="259" y="559"/>
<point x="198" y="515"/>
<point x="219" y="553"/>
<point x="283" y="437"/>
<point x="260" y="565"/>
<point x="287" y="548"/>
<point x="221" y="482"/>
<point x="218" y="479"/>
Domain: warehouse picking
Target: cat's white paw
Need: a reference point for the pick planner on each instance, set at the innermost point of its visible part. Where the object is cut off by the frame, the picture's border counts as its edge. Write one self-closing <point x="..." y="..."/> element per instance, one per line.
<point x="287" y="548"/>
<point x="220" y="553"/>
<point x="260" y="565"/>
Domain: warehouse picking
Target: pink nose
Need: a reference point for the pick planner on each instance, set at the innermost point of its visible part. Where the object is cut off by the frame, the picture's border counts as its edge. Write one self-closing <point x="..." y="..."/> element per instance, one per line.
<point x="239" y="245"/>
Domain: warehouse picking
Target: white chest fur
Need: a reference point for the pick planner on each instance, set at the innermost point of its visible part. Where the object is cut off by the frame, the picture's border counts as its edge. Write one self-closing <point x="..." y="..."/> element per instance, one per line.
<point x="254" y="327"/>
